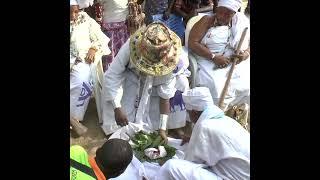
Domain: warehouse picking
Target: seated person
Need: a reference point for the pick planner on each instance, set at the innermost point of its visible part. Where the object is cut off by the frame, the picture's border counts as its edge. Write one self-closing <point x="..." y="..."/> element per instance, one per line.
<point x="213" y="40"/>
<point x="87" y="45"/>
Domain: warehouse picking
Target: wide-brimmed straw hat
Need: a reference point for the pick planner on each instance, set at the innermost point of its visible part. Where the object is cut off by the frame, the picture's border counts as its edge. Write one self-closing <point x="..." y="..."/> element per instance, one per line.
<point x="155" y="49"/>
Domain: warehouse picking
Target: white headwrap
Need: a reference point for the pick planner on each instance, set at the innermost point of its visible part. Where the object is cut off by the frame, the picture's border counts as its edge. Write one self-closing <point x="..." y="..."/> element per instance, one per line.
<point x="197" y="98"/>
<point x="73" y="3"/>
<point x="82" y="3"/>
<point x="233" y="5"/>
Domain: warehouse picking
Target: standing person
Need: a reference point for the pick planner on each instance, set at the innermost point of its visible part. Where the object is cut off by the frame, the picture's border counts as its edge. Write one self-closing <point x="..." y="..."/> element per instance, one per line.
<point x="147" y="72"/>
<point x="111" y="160"/>
<point x="219" y="147"/>
<point x="114" y="25"/>
<point x="87" y="45"/>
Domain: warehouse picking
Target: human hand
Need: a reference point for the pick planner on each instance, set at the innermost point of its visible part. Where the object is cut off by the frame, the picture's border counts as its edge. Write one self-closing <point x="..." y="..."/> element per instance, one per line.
<point x="90" y="56"/>
<point x="163" y="135"/>
<point x="185" y="139"/>
<point x="120" y="117"/>
<point x="243" y="55"/>
<point x="221" y="61"/>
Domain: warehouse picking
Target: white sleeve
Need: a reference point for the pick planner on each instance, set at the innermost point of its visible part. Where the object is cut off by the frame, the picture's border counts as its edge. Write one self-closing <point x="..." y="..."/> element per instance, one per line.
<point x="167" y="90"/>
<point x="200" y="148"/>
<point x="115" y="75"/>
<point x="99" y="40"/>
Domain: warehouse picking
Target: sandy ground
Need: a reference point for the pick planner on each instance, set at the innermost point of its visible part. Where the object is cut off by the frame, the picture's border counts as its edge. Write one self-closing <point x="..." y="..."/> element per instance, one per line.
<point x="95" y="137"/>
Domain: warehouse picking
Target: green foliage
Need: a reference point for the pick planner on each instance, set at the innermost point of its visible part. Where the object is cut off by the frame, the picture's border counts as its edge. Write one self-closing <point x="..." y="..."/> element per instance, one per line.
<point x="143" y="141"/>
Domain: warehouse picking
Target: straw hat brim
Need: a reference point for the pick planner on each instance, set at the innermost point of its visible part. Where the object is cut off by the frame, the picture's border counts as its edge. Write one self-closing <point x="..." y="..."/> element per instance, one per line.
<point x="154" y="69"/>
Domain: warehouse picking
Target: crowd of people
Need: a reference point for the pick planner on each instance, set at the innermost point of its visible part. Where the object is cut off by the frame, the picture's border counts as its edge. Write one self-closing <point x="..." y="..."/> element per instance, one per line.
<point x="141" y="75"/>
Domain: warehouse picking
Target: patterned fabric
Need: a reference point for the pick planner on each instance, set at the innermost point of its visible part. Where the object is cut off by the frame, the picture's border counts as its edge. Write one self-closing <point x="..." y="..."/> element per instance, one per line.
<point x="177" y="100"/>
<point x="119" y="34"/>
<point x="85" y="33"/>
<point x="153" y="7"/>
<point x="174" y="22"/>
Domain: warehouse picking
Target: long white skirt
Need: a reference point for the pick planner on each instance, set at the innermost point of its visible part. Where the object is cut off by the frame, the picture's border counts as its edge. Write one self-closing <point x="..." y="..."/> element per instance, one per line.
<point x="239" y="87"/>
<point x="80" y="90"/>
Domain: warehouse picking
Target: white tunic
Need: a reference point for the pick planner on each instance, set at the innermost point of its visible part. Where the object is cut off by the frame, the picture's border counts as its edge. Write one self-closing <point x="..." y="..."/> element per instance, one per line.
<point x="114" y="10"/>
<point x="124" y="84"/>
<point x="221" y="143"/>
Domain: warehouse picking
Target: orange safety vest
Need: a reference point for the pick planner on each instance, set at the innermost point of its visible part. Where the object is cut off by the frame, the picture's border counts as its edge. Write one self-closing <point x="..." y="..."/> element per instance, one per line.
<point x="96" y="169"/>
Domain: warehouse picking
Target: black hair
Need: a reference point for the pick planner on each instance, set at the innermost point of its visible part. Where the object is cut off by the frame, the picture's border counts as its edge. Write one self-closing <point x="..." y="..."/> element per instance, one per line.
<point x="195" y="1"/>
<point x="114" y="157"/>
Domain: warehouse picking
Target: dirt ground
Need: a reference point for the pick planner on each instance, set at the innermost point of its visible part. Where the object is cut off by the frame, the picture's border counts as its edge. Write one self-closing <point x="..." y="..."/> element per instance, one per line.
<point x="95" y="136"/>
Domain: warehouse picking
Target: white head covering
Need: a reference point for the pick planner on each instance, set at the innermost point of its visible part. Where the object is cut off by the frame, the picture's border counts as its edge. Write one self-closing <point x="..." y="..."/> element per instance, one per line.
<point x="73" y="3"/>
<point x="197" y="98"/>
<point x="82" y="3"/>
<point x="233" y="5"/>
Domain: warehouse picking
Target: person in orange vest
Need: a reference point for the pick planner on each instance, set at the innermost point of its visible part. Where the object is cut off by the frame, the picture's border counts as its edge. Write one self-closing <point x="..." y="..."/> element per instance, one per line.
<point x="111" y="160"/>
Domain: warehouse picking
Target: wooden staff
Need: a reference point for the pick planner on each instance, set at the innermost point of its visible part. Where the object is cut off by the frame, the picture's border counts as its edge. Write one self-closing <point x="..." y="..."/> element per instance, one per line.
<point x="226" y="85"/>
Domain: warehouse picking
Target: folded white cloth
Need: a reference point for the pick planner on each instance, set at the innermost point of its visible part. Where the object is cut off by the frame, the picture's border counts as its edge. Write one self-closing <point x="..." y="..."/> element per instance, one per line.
<point x="154" y="153"/>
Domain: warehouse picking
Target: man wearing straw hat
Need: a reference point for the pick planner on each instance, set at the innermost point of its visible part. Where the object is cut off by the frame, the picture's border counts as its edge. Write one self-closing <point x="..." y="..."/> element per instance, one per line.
<point x="147" y="72"/>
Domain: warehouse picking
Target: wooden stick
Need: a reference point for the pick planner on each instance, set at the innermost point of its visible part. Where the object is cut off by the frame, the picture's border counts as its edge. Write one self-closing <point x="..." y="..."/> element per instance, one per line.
<point x="226" y="85"/>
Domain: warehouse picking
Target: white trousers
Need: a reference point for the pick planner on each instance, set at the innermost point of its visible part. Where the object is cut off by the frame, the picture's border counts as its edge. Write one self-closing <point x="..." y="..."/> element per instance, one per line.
<point x="80" y="90"/>
<point x="175" y="169"/>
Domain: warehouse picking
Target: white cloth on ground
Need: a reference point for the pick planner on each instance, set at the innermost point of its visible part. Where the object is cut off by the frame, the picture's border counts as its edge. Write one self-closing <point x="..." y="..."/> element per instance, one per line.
<point x="216" y="39"/>
<point x="221" y="143"/>
<point x="123" y="83"/>
<point x="114" y="10"/>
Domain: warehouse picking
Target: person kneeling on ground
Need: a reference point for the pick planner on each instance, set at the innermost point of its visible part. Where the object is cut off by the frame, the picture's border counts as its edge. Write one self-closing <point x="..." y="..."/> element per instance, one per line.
<point x="219" y="147"/>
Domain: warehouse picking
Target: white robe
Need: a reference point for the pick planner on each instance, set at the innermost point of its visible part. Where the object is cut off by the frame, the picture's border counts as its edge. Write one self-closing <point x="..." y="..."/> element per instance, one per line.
<point x="84" y="34"/>
<point x="221" y="143"/>
<point x="216" y="39"/>
<point x="179" y="169"/>
<point x="122" y="83"/>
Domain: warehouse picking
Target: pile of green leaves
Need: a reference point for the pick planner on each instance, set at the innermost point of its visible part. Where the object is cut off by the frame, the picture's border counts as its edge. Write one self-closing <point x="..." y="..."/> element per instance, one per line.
<point x="142" y="141"/>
